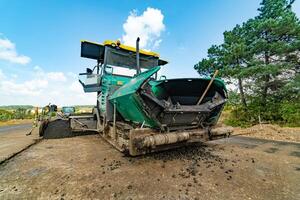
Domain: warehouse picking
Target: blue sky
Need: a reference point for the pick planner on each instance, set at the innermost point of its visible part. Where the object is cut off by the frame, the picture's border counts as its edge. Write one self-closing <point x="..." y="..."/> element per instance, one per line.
<point x="46" y="40"/>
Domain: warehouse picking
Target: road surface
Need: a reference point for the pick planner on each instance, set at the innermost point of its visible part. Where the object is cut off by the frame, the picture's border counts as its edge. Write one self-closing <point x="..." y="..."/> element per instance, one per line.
<point x="86" y="167"/>
<point x="14" y="128"/>
<point x="13" y="139"/>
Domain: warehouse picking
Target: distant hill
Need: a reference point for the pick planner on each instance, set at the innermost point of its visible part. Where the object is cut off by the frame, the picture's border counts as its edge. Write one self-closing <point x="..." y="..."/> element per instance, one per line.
<point x="83" y="106"/>
<point x="15" y="107"/>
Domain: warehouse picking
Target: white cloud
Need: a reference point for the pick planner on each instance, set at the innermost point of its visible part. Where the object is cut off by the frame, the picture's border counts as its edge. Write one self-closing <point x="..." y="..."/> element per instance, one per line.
<point x="33" y="87"/>
<point x="2" y="76"/>
<point x="75" y="87"/>
<point x="147" y="26"/>
<point x="36" y="84"/>
<point x="56" y="76"/>
<point x="72" y="75"/>
<point x="9" y="53"/>
<point x="5" y="43"/>
<point x="37" y="68"/>
<point x="14" y="76"/>
<point x="157" y="43"/>
<point x="42" y="88"/>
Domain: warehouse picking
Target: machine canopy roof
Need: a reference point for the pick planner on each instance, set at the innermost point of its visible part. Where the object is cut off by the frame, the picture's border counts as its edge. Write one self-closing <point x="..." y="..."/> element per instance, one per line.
<point x="119" y="54"/>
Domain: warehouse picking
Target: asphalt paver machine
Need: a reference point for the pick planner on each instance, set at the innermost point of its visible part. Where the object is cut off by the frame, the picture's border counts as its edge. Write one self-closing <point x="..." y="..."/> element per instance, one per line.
<point x="137" y="111"/>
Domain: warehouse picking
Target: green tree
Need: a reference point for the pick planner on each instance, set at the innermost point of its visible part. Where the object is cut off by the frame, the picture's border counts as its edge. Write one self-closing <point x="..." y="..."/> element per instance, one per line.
<point x="275" y="36"/>
<point x="5" y="115"/>
<point x="20" y="113"/>
<point x="262" y="56"/>
<point x="229" y="58"/>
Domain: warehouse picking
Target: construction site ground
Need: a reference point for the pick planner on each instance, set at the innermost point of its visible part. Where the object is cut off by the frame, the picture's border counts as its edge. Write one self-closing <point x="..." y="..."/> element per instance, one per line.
<point x="13" y="139"/>
<point x="270" y="132"/>
<point x="86" y="167"/>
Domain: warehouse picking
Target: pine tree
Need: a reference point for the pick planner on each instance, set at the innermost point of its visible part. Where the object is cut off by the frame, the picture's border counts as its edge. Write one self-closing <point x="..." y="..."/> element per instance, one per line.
<point x="275" y="35"/>
<point x="264" y="53"/>
<point x="230" y="58"/>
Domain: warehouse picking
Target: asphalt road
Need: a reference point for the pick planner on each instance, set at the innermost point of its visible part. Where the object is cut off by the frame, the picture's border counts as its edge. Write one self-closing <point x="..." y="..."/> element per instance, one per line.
<point x="13" y="139"/>
<point x="12" y="128"/>
<point x="250" y="143"/>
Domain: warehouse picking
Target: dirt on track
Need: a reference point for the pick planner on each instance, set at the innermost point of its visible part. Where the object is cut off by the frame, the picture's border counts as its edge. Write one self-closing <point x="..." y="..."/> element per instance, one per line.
<point x="86" y="167"/>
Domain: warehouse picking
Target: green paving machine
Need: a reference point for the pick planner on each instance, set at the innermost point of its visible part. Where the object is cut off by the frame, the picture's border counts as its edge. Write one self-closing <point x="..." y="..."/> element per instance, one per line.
<point x="138" y="112"/>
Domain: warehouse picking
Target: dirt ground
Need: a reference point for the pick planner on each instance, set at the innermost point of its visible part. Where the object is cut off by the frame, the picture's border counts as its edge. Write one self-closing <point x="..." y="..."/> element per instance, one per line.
<point x="270" y="132"/>
<point x="86" y="167"/>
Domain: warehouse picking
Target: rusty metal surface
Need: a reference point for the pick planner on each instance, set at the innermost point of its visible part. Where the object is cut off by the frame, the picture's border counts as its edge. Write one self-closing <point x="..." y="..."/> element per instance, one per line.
<point x="167" y="138"/>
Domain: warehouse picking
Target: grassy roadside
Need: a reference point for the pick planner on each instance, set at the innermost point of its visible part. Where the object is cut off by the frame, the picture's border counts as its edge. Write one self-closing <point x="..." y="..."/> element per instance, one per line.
<point x="15" y="122"/>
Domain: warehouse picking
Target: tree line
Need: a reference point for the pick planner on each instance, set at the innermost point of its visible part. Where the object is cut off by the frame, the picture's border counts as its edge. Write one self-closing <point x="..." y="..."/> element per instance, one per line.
<point x="19" y="113"/>
<point x="261" y="57"/>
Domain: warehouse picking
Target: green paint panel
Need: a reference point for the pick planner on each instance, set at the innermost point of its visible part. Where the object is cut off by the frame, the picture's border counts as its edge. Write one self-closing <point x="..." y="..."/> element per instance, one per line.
<point x="109" y="84"/>
<point x="128" y="102"/>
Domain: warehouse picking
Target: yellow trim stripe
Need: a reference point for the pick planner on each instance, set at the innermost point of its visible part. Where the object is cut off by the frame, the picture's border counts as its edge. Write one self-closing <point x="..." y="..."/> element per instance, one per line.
<point x="125" y="47"/>
<point x="129" y="48"/>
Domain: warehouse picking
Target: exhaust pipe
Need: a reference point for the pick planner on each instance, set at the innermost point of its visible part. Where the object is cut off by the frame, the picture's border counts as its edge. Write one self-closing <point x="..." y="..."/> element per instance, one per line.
<point x="138" y="69"/>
